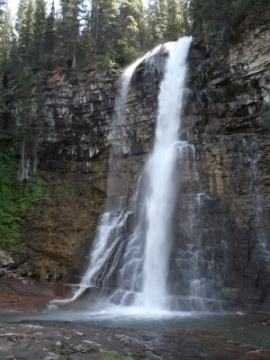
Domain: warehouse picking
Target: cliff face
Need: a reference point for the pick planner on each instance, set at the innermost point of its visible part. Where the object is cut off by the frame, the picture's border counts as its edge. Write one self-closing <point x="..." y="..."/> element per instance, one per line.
<point x="224" y="121"/>
<point x="74" y="162"/>
<point x="222" y="223"/>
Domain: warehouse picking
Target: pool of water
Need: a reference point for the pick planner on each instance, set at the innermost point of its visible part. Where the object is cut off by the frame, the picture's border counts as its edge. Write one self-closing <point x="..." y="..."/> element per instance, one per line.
<point x="235" y="326"/>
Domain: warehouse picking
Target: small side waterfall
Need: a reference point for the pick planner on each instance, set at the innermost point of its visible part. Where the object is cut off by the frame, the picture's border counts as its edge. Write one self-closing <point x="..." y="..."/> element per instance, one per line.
<point x="251" y="148"/>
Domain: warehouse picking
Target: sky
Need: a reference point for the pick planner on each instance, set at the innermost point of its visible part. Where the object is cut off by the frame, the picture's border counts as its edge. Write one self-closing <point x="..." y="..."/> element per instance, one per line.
<point x="13" y="5"/>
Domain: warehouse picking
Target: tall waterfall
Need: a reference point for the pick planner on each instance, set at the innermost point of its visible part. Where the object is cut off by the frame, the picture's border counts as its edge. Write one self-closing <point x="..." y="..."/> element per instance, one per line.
<point x="139" y="260"/>
<point x="160" y="199"/>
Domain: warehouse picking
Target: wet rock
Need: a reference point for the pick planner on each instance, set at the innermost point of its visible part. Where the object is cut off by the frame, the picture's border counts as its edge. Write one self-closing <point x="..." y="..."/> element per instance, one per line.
<point x="52" y="356"/>
<point x="5" y="259"/>
<point x="92" y="344"/>
<point x="59" y="344"/>
<point x="166" y="345"/>
<point x="78" y="333"/>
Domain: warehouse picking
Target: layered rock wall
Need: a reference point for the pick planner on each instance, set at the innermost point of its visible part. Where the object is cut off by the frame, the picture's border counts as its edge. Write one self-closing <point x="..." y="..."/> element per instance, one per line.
<point x="222" y="221"/>
<point x="74" y="162"/>
<point x="224" y="121"/>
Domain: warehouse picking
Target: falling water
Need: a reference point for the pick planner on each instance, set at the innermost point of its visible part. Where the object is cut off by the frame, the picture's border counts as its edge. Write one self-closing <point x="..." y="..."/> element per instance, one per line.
<point x="139" y="259"/>
<point x="160" y="170"/>
<point x="111" y="223"/>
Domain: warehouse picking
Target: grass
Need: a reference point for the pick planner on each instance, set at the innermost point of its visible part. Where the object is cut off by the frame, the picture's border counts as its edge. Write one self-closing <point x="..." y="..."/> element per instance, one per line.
<point x="112" y="355"/>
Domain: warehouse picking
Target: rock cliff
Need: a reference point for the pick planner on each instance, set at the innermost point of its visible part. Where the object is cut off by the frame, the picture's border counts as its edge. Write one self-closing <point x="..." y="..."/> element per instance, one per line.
<point x="222" y="220"/>
<point x="74" y="163"/>
<point x="224" y="121"/>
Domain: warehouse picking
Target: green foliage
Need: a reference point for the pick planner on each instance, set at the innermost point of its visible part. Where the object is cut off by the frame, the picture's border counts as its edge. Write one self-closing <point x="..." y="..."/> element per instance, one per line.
<point x="219" y="20"/>
<point x="106" y="62"/>
<point x="104" y="26"/>
<point x="111" y="355"/>
<point x="15" y="198"/>
<point x="127" y="55"/>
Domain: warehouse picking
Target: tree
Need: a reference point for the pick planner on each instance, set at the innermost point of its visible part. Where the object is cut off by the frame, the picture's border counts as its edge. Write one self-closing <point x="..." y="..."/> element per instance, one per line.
<point x="218" y="20"/>
<point x="85" y="42"/>
<point x="39" y="30"/>
<point x="29" y="118"/>
<point x="130" y="25"/>
<point x="25" y="28"/>
<point x="6" y="33"/>
<point x="177" y="15"/>
<point x="69" y="29"/>
<point x="49" y="36"/>
<point x="156" y="26"/>
<point x="104" y="26"/>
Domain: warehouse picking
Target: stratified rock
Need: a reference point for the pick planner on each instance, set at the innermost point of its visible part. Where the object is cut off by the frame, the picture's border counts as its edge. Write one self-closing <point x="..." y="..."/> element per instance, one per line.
<point x="222" y="226"/>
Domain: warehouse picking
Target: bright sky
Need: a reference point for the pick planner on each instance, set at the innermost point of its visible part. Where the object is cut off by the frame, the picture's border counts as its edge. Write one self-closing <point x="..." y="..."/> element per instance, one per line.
<point x="13" y="5"/>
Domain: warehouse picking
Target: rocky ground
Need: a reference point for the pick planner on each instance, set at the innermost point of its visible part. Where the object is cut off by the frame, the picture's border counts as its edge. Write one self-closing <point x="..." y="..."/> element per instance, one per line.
<point x="52" y="340"/>
<point x="68" y="341"/>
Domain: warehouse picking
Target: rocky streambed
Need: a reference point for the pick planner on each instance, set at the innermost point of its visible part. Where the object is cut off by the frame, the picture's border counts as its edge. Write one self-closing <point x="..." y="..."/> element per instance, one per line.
<point x="88" y="338"/>
<point x="34" y="340"/>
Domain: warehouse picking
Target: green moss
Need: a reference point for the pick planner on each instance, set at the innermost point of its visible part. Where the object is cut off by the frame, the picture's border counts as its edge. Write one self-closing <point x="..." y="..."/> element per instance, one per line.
<point x="111" y="355"/>
<point x="15" y="199"/>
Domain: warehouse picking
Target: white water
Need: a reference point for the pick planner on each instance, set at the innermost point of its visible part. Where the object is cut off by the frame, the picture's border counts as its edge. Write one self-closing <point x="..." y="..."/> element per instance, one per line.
<point x="112" y="221"/>
<point x="159" y="200"/>
<point x="160" y="168"/>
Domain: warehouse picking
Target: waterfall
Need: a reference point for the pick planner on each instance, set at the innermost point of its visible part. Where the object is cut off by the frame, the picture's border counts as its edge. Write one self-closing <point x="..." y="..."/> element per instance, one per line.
<point x="160" y="168"/>
<point x="111" y="221"/>
<point x="137" y="261"/>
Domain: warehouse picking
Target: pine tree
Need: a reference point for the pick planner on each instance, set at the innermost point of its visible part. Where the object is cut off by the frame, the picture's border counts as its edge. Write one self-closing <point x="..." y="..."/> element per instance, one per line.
<point x="156" y="16"/>
<point x="85" y="42"/>
<point x="25" y="28"/>
<point x="29" y="118"/>
<point x="49" y="37"/>
<point x="104" y="26"/>
<point x="2" y="14"/>
<point x="69" y="29"/>
<point x="6" y="32"/>
<point x="39" y="29"/>
<point x="177" y="15"/>
<point x="130" y="25"/>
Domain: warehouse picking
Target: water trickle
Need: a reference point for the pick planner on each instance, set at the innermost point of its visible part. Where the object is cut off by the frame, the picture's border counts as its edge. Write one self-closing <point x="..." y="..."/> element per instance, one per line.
<point x="252" y="154"/>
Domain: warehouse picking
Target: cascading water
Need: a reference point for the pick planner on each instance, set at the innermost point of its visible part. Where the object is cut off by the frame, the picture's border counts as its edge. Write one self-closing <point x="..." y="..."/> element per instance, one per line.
<point x="159" y="172"/>
<point x="137" y="260"/>
<point x="111" y="222"/>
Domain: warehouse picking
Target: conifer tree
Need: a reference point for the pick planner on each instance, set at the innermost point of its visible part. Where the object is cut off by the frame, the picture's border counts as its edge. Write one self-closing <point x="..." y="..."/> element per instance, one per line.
<point x="39" y="29"/>
<point x="130" y="26"/>
<point x="69" y="29"/>
<point x="104" y="26"/>
<point x="156" y="28"/>
<point x="85" y="43"/>
<point x="49" y="36"/>
<point x="176" y="15"/>
<point x="6" y="32"/>
<point x="25" y="28"/>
